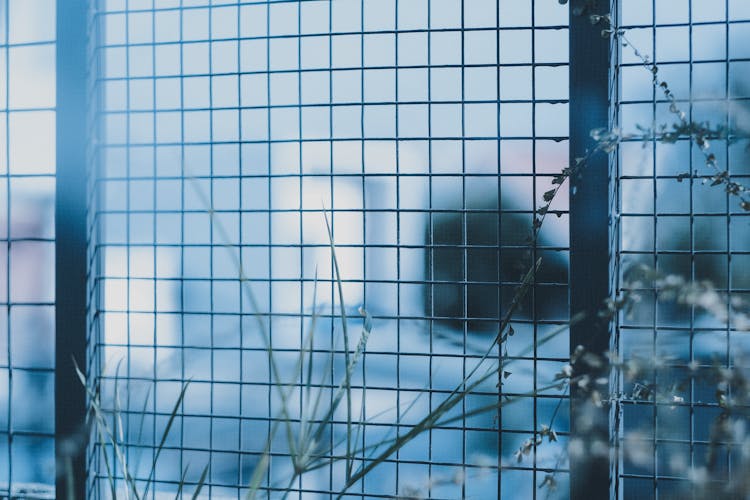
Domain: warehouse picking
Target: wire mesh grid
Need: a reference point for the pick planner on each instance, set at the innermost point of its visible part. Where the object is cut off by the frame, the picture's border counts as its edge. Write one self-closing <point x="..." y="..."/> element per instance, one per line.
<point x="27" y="113"/>
<point x="427" y="131"/>
<point x="680" y="224"/>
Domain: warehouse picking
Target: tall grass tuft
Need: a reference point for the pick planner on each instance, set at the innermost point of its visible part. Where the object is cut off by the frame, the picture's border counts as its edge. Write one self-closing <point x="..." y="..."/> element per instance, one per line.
<point x="107" y="427"/>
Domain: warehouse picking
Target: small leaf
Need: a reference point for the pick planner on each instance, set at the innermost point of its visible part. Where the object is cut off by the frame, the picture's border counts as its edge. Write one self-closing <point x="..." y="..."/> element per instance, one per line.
<point x="549" y="195"/>
<point x="549" y="482"/>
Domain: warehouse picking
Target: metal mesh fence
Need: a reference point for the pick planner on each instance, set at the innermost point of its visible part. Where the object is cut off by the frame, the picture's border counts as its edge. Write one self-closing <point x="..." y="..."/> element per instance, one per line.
<point x="27" y="168"/>
<point x="674" y="216"/>
<point x="427" y="131"/>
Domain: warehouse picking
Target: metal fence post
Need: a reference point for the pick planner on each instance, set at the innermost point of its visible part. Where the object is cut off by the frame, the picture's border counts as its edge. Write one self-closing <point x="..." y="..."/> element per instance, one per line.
<point x="589" y="230"/>
<point x="70" y="249"/>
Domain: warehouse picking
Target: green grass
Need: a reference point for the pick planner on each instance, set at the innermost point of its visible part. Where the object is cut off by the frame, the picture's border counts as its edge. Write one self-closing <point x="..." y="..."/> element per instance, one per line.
<point x="111" y="435"/>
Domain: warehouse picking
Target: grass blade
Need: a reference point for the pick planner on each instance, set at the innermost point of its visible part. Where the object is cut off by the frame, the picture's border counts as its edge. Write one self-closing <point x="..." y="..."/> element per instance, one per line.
<point x="306" y="417"/>
<point x="182" y="482"/>
<point x="345" y="329"/>
<point x="322" y="385"/>
<point x="366" y="330"/>
<point x="110" y="476"/>
<point x="201" y="482"/>
<point x="165" y="434"/>
<point x="341" y="390"/>
<point x="118" y="407"/>
<point x="101" y="421"/>
<point x="259" y="472"/>
<point x="140" y="428"/>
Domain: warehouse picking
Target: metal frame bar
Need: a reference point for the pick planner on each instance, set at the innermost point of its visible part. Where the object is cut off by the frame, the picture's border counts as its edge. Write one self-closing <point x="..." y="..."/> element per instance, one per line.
<point x="70" y="249"/>
<point x="589" y="232"/>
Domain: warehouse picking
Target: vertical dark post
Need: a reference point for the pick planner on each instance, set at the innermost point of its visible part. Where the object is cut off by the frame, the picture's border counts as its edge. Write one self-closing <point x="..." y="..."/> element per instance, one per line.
<point x="589" y="250"/>
<point x="70" y="252"/>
